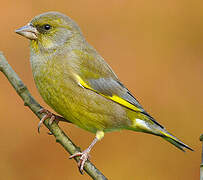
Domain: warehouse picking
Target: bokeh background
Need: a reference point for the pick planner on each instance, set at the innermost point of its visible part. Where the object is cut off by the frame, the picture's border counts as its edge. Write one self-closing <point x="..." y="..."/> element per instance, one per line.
<point x="155" y="47"/>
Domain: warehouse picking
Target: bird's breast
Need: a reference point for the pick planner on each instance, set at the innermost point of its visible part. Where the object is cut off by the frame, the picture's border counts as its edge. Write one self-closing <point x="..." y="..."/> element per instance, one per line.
<point x="57" y="84"/>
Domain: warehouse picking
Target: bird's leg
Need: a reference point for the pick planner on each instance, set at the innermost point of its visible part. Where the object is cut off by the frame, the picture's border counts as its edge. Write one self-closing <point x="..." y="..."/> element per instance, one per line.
<point x="50" y="115"/>
<point x="84" y="156"/>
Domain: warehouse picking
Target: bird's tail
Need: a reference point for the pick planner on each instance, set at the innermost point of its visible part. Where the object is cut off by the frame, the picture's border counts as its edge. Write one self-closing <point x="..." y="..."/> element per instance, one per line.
<point x="149" y="125"/>
<point x="173" y="140"/>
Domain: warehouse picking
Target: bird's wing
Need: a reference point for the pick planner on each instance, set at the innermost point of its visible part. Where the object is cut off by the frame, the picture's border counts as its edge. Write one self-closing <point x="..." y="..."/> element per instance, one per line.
<point x="114" y="90"/>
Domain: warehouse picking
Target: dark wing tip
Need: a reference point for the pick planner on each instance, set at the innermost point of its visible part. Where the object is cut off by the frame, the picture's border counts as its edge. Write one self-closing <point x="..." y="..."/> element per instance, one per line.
<point x="152" y="119"/>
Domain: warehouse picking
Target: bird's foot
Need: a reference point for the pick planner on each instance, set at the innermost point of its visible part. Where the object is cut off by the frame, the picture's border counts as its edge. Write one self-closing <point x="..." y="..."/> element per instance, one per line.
<point x="84" y="156"/>
<point x="47" y="115"/>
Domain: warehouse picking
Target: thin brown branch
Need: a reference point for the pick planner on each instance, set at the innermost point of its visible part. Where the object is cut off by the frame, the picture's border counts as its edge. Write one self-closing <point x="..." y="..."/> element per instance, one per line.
<point x="30" y="102"/>
<point x="201" y="165"/>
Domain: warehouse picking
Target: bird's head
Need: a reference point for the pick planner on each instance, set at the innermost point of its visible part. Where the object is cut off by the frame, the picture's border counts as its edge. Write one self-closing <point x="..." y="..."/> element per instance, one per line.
<point x="49" y="30"/>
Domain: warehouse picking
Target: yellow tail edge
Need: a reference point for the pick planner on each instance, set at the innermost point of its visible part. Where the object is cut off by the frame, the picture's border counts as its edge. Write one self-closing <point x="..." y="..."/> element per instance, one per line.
<point x="173" y="140"/>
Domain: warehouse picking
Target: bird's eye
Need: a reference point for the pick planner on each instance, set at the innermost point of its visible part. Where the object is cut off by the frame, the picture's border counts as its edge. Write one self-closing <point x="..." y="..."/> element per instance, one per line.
<point x="47" y="27"/>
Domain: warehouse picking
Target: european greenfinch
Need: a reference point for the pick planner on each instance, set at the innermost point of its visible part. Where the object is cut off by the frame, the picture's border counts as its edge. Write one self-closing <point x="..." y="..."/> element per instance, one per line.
<point x="78" y="84"/>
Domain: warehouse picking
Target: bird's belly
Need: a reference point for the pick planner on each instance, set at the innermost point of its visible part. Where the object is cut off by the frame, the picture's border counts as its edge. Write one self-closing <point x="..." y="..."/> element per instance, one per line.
<point x="81" y="106"/>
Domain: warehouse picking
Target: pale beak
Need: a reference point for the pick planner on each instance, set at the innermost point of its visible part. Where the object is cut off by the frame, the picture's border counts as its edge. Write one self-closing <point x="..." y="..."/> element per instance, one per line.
<point x="28" y="31"/>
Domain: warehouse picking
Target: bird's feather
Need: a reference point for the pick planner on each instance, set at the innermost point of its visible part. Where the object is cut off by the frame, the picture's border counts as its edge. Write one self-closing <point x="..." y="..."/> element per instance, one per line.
<point x="115" y="91"/>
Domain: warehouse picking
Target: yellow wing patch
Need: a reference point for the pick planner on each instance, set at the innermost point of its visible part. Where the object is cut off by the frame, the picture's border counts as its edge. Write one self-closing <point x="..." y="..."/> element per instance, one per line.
<point x="114" y="98"/>
<point x="122" y="102"/>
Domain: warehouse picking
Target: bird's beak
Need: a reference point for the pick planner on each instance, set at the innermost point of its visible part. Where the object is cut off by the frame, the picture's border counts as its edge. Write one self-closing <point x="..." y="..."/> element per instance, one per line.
<point x="28" y="31"/>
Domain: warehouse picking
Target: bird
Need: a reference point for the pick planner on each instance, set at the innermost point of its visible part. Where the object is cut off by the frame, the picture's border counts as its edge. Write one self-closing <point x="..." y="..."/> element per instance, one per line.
<point x="78" y="84"/>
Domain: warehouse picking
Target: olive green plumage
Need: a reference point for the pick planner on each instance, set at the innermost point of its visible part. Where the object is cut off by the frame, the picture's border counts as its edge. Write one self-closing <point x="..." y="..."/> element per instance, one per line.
<point x="78" y="84"/>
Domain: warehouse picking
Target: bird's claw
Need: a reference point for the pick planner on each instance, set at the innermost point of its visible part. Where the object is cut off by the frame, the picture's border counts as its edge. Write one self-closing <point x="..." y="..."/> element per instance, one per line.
<point x="47" y="115"/>
<point x="84" y="156"/>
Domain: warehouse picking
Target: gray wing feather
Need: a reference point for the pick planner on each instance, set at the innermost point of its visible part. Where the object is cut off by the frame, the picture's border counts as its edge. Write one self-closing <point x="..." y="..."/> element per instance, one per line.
<point x="109" y="86"/>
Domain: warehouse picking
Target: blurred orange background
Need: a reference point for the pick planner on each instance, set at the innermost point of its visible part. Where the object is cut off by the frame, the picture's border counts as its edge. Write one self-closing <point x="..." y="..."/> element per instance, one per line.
<point x="156" y="49"/>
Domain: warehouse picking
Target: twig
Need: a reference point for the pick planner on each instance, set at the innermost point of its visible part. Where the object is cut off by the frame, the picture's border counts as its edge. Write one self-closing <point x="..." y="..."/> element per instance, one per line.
<point x="201" y="165"/>
<point x="29" y="101"/>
